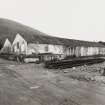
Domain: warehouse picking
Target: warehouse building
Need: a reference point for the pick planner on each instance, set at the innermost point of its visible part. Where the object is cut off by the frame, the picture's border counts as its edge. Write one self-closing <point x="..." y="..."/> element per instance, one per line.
<point x="55" y="47"/>
<point x="19" y="45"/>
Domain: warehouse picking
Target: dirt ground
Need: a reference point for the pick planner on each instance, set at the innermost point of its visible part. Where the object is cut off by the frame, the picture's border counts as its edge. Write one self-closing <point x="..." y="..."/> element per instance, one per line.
<point x="31" y="84"/>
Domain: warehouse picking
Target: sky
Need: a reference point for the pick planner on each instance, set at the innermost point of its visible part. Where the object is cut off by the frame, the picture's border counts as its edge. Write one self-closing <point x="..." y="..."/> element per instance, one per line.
<point x="74" y="19"/>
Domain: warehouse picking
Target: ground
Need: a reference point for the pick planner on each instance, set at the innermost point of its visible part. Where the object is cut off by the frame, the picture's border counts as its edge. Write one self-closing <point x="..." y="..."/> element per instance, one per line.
<point x="31" y="84"/>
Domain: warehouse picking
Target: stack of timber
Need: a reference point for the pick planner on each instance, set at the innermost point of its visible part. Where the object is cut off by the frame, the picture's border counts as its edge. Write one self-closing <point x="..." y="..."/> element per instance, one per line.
<point x="63" y="64"/>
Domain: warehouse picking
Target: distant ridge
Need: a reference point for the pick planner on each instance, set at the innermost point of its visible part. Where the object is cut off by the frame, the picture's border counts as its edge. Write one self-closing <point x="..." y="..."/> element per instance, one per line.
<point x="9" y="29"/>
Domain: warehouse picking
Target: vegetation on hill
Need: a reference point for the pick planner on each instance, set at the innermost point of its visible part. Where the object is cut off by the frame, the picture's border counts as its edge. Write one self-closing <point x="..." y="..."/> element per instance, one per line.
<point x="9" y="29"/>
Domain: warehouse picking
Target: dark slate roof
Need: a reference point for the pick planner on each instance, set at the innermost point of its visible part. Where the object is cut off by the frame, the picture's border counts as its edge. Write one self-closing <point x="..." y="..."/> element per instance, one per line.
<point x="62" y="41"/>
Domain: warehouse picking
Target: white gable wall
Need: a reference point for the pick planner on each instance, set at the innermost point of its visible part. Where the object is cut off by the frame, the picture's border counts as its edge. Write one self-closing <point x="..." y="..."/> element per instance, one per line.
<point x="6" y="47"/>
<point x="19" y="45"/>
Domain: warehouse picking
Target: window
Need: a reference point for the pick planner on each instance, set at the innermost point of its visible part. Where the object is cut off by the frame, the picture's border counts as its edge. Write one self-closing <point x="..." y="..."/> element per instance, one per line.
<point x="46" y="48"/>
<point x="17" y="45"/>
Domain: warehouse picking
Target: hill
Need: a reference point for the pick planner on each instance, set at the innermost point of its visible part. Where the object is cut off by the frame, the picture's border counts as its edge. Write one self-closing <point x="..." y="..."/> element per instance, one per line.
<point x="9" y="29"/>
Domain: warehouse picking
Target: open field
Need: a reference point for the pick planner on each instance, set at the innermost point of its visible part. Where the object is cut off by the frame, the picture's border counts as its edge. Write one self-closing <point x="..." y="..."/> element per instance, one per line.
<point x="31" y="84"/>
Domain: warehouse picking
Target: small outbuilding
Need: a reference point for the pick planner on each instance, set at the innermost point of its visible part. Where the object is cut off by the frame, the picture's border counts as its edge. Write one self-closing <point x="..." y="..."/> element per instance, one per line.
<point x="6" y="47"/>
<point x="19" y="45"/>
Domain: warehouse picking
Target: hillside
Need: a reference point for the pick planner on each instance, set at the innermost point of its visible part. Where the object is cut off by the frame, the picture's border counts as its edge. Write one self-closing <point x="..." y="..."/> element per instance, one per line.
<point x="9" y="29"/>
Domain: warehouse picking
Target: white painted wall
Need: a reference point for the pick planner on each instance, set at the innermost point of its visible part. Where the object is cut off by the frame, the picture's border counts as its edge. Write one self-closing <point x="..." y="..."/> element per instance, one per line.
<point x="46" y="48"/>
<point x="37" y="48"/>
<point x="55" y="49"/>
<point x="102" y="51"/>
<point x="6" y="47"/>
<point x="83" y="51"/>
<point x="19" y="45"/>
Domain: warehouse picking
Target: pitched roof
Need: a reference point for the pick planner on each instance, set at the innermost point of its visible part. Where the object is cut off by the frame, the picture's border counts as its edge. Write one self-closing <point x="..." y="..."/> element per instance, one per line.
<point x="62" y="41"/>
<point x="7" y="43"/>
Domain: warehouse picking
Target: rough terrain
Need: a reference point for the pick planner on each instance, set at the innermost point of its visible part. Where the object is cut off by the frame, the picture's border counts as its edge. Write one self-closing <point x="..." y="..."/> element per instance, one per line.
<point x="31" y="84"/>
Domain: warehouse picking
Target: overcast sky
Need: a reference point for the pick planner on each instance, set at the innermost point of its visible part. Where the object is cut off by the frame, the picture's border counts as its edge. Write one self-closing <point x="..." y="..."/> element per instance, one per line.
<point x="77" y="19"/>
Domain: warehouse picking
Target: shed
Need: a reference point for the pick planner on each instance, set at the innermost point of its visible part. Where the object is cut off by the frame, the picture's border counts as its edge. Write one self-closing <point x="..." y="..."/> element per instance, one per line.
<point x="6" y="47"/>
<point x="19" y="45"/>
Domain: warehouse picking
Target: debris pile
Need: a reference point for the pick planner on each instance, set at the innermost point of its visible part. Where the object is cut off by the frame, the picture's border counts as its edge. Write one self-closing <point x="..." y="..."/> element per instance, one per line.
<point x="95" y="72"/>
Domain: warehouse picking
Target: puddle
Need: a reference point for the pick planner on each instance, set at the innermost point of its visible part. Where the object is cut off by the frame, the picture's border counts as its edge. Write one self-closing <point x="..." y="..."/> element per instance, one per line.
<point x="34" y="87"/>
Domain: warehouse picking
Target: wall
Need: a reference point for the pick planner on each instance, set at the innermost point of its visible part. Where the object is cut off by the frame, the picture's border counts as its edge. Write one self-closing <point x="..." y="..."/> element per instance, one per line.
<point x="46" y="48"/>
<point x="55" y="49"/>
<point x="102" y="51"/>
<point x="6" y="47"/>
<point x="83" y="51"/>
<point x="37" y="48"/>
<point x="19" y="45"/>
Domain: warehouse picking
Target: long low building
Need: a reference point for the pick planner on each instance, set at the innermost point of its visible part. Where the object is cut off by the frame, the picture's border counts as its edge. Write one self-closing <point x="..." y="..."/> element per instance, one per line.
<point x="58" y="46"/>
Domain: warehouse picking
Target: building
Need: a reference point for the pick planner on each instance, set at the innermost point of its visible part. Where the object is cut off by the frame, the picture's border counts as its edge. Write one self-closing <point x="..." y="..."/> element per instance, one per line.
<point x="46" y="48"/>
<point x="6" y="47"/>
<point x="19" y="45"/>
<point x="52" y="49"/>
